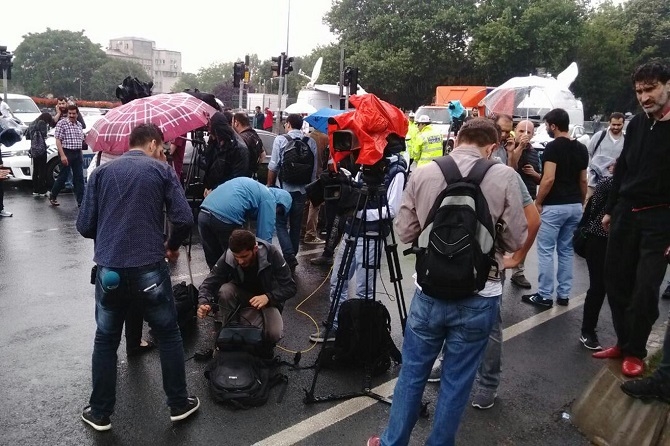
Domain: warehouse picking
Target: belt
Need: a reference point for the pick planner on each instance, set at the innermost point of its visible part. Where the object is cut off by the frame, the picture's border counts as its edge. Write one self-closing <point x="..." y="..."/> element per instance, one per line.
<point x="222" y="220"/>
<point x="138" y="269"/>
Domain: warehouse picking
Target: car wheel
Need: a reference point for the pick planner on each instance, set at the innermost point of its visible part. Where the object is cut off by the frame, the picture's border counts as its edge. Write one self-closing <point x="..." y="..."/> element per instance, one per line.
<point x="53" y="168"/>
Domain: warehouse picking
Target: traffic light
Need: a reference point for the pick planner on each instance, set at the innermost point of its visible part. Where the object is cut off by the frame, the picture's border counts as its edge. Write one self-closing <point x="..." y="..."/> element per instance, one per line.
<point x="351" y="79"/>
<point x="276" y="61"/>
<point x="238" y="73"/>
<point x="288" y="64"/>
<point x="6" y="62"/>
<point x="247" y="71"/>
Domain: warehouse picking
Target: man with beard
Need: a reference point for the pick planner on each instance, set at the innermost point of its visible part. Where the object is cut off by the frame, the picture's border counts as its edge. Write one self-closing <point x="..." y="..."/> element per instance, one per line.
<point x="637" y="217"/>
<point x="605" y="146"/>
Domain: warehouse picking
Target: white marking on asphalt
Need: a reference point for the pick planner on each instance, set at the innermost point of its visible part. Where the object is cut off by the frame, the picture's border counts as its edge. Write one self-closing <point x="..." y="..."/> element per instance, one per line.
<point x="323" y="420"/>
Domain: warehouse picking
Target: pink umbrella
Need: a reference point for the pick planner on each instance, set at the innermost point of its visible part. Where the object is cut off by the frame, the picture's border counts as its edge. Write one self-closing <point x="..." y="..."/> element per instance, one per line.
<point x="175" y="114"/>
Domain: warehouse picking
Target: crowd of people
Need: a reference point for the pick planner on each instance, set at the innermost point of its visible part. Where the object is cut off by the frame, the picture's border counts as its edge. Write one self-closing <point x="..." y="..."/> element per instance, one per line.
<point x="613" y="192"/>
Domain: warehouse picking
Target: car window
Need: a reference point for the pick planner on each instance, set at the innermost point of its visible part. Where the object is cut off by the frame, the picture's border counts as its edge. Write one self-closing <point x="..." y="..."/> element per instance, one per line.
<point x="268" y="140"/>
<point x="20" y="105"/>
<point x="437" y="115"/>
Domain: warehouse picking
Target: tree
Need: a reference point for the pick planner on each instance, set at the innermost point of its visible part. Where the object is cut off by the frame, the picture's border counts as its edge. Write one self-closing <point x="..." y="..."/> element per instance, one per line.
<point x="103" y="82"/>
<point x="186" y="81"/>
<point x="54" y="61"/>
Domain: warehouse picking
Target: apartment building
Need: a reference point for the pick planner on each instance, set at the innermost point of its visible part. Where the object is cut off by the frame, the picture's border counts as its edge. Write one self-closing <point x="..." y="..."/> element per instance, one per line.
<point x="162" y="66"/>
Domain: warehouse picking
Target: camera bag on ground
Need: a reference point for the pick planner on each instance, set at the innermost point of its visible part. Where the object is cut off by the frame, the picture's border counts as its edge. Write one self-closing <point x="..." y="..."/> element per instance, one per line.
<point x="186" y="302"/>
<point x="243" y="370"/>
<point x="363" y="338"/>
<point x="297" y="162"/>
<point x="456" y="246"/>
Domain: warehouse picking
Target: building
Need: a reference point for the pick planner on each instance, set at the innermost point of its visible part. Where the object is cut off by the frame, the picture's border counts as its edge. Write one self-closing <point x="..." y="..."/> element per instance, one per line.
<point x="162" y="66"/>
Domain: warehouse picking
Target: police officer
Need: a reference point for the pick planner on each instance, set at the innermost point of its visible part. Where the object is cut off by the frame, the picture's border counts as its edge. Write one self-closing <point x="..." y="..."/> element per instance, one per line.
<point x="428" y="145"/>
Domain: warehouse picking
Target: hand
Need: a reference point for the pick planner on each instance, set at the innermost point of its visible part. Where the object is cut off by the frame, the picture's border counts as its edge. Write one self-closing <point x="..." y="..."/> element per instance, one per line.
<point x="258" y="302"/>
<point x="528" y="169"/>
<point x="510" y="262"/>
<point x="4" y="174"/>
<point x="539" y="207"/>
<point x="510" y="144"/>
<point x="63" y="160"/>
<point x="203" y="310"/>
<point x="206" y="192"/>
<point x="524" y="141"/>
<point x="607" y="218"/>
<point x="171" y="255"/>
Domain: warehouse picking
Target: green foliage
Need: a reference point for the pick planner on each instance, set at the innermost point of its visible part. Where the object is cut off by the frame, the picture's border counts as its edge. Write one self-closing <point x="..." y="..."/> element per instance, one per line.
<point x="53" y="61"/>
<point x="102" y="84"/>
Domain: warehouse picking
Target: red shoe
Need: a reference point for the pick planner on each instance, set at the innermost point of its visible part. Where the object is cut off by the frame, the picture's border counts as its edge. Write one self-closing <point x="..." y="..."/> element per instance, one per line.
<point x="612" y="352"/>
<point x="374" y="441"/>
<point x="632" y="366"/>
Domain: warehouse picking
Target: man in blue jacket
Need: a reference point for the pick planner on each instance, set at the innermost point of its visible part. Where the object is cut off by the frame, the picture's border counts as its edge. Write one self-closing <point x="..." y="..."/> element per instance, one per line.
<point x="229" y="206"/>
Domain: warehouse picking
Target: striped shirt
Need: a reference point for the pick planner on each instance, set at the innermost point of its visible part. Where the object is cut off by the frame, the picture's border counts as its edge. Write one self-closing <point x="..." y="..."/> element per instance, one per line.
<point x="70" y="134"/>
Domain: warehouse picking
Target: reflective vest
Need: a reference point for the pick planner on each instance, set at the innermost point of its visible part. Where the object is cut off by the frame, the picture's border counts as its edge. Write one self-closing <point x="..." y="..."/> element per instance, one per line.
<point x="429" y="146"/>
<point x="411" y="139"/>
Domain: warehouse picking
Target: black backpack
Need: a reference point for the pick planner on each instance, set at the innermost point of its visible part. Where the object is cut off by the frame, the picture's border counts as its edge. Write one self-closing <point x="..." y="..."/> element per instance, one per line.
<point x="363" y="338"/>
<point x="456" y="246"/>
<point x="186" y="302"/>
<point x="297" y="162"/>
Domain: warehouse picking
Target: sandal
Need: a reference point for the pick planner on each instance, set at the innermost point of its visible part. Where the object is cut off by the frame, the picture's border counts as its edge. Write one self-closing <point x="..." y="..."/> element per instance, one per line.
<point x="54" y="202"/>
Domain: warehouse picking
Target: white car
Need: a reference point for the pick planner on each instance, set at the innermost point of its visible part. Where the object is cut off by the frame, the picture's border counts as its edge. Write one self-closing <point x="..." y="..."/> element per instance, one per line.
<point x="541" y="137"/>
<point x="23" y="107"/>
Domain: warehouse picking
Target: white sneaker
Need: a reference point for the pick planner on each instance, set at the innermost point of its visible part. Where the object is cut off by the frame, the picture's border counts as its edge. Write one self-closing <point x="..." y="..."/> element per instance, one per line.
<point x="5" y="214"/>
<point x="436" y="372"/>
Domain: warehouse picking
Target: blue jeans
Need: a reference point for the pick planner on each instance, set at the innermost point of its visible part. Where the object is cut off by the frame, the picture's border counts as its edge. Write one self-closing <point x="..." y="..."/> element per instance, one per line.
<point x="362" y="266"/>
<point x="289" y="226"/>
<point x="490" y="369"/>
<point x="152" y="285"/>
<point x="558" y="223"/>
<point x="75" y="164"/>
<point x="463" y="326"/>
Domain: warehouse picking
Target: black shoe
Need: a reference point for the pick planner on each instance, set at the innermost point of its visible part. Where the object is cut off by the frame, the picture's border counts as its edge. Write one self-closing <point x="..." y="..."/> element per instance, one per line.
<point x="140" y="349"/>
<point x="536" y="299"/>
<point x="191" y="406"/>
<point x="666" y="293"/>
<point x="521" y="281"/>
<point x="99" y="424"/>
<point x="590" y="341"/>
<point x="647" y="389"/>
<point x="562" y="301"/>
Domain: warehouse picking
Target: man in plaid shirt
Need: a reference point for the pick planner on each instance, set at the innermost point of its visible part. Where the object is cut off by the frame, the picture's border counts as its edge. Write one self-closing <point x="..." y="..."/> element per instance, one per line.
<point x="69" y="138"/>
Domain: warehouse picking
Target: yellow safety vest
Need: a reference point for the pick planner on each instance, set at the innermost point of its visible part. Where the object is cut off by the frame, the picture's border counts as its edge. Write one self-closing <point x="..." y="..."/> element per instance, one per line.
<point x="429" y="146"/>
<point x="411" y="140"/>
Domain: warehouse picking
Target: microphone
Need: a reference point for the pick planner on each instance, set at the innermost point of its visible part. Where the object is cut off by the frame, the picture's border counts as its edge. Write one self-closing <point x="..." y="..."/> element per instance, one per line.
<point x="110" y="280"/>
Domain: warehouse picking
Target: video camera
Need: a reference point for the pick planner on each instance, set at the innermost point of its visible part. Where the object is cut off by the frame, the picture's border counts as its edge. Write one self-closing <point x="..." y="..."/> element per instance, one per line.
<point x="132" y="88"/>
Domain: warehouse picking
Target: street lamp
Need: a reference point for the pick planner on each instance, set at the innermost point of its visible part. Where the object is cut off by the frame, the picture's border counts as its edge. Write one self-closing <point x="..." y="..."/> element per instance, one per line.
<point x="5" y="68"/>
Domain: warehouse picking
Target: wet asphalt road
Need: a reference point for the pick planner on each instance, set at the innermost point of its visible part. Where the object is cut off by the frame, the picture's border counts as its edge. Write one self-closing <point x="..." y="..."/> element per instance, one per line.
<point x="46" y="340"/>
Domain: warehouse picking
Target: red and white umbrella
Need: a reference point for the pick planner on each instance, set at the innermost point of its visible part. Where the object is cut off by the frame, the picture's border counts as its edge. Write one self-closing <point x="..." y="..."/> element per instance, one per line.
<point x="175" y="114"/>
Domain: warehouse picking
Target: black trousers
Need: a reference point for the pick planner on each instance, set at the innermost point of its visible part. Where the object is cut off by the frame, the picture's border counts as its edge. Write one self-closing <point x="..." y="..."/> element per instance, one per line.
<point x="634" y="270"/>
<point x="40" y="174"/>
<point x="596" y="248"/>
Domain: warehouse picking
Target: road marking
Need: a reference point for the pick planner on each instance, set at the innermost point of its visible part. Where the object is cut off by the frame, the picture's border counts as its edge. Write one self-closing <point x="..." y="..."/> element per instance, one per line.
<point x="322" y="420"/>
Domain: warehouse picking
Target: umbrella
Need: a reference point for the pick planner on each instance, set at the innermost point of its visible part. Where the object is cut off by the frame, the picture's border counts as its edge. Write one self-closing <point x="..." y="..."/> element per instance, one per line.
<point x="175" y="114"/>
<point x="319" y="119"/>
<point x="300" y="108"/>
<point x="530" y="96"/>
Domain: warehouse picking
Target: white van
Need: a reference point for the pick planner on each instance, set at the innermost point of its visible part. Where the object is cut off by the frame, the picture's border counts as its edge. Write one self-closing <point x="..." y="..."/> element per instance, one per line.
<point x="23" y="107"/>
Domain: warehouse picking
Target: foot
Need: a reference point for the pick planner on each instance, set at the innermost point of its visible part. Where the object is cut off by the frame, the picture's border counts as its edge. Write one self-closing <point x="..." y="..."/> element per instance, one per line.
<point x="313" y="241"/>
<point x="193" y="403"/>
<point x="666" y="293"/>
<point x="320" y="336"/>
<point x="647" y="389"/>
<point x="144" y="347"/>
<point x="590" y="341"/>
<point x="521" y="281"/>
<point x="536" y="299"/>
<point x="322" y="261"/>
<point x="608" y="353"/>
<point x="632" y="366"/>
<point x="374" y="441"/>
<point x="99" y="424"/>
<point x="4" y="213"/>
<point x="562" y="301"/>
<point x="54" y="202"/>
<point x="484" y="399"/>
<point x="436" y="372"/>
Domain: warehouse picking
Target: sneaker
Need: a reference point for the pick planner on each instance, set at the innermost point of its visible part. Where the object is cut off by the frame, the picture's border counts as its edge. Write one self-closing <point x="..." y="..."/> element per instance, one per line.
<point x="590" y="341"/>
<point x="562" y="301"/>
<point x="5" y="214"/>
<point x="35" y="194"/>
<point x="374" y="441"/>
<point x="484" y="399"/>
<point x="647" y="389"/>
<point x="521" y="281"/>
<point x="320" y="336"/>
<point x="191" y="406"/>
<point x="99" y="424"/>
<point x="536" y="299"/>
<point x="313" y="241"/>
<point x="322" y="261"/>
<point x="666" y="293"/>
<point x="54" y="202"/>
<point x="436" y="372"/>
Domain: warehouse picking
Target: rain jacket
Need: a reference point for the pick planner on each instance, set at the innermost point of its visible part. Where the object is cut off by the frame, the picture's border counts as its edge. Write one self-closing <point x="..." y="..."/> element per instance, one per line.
<point x="428" y="146"/>
<point x="242" y="198"/>
<point x="273" y="273"/>
<point x="411" y="138"/>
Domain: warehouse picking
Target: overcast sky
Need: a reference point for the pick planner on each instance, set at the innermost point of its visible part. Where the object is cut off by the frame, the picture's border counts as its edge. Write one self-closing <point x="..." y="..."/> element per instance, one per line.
<point x="205" y="32"/>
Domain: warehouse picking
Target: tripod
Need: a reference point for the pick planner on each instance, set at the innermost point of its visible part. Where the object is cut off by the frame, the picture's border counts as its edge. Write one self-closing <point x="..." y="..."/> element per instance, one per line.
<point x="379" y="239"/>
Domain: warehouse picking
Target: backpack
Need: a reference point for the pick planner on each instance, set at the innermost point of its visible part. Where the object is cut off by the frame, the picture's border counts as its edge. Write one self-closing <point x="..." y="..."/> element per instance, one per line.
<point x="363" y="338"/>
<point x="456" y="246"/>
<point x="186" y="302"/>
<point x="297" y="162"/>
<point x="600" y="140"/>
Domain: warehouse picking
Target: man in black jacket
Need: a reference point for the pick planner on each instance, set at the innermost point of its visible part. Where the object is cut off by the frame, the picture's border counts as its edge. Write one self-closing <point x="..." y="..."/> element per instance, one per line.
<point x="227" y="157"/>
<point x="637" y="217"/>
<point x="252" y="273"/>
<point x="254" y="144"/>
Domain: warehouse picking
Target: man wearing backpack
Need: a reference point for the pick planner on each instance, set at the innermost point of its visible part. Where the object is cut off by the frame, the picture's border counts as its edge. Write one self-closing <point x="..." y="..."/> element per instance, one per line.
<point x="605" y="145"/>
<point x="292" y="167"/>
<point x="242" y="126"/>
<point x="436" y="319"/>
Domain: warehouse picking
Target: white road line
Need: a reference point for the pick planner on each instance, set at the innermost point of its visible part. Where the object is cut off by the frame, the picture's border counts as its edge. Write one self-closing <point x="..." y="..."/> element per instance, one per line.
<point x="323" y="420"/>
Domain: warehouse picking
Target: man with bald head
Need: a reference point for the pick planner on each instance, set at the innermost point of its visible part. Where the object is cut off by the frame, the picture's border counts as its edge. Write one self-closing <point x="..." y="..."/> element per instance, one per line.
<point x="525" y="159"/>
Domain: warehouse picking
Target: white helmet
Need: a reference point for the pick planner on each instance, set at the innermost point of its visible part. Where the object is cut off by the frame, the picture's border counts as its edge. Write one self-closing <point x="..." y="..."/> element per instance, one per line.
<point x="423" y="119"/>
<point x="411" y="114"/>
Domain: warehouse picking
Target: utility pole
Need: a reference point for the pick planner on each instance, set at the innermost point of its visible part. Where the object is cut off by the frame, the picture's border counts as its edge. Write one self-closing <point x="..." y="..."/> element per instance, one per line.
<point x="5" y="68"/>
<point x="281" y="85"/>
<point x="343" y="100"/>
